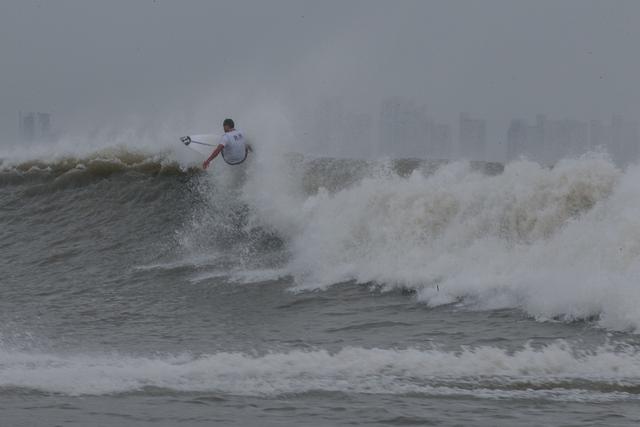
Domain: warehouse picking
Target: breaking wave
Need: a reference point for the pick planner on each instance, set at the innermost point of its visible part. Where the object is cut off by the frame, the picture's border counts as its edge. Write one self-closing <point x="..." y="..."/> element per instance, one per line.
<point x="557" y="371"/>
<point x="560" y="243"/>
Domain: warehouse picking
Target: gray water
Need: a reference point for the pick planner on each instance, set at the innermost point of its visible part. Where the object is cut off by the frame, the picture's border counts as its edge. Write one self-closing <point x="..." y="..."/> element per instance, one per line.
<point x="127" y="297"/>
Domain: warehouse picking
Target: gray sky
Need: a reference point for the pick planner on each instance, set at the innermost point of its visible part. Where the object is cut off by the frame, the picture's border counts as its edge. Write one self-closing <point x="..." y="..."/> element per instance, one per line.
<point x="183" y="63"/>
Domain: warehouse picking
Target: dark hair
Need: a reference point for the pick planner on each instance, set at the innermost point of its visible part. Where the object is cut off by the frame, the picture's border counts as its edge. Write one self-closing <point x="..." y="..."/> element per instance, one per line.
<point x="228" y="122"/>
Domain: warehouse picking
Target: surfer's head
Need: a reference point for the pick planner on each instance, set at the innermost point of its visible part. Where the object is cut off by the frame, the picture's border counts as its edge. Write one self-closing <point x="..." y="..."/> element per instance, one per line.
<point x="228" y="125"/>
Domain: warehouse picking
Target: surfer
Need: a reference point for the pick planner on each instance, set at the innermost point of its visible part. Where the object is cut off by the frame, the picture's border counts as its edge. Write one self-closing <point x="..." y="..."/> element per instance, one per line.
<point x="233" y="146"/>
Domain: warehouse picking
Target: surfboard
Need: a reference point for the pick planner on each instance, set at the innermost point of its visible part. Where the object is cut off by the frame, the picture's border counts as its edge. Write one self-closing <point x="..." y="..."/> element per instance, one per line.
<point x="203" y="144"/>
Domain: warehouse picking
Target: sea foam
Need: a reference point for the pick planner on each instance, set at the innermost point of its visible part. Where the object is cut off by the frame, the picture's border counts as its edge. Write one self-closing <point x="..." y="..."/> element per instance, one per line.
<point x="557" y="370"/>
<point x="561" y="242"/>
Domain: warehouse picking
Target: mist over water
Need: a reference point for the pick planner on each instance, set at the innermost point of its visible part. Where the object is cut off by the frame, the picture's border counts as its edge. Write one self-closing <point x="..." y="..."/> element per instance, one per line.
<point x="327" y="74"/>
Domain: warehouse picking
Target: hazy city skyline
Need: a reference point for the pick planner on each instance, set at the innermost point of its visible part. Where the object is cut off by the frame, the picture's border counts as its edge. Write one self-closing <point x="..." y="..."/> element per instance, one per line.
<point x="93" y="66"/>
<point x="404" y="128"/>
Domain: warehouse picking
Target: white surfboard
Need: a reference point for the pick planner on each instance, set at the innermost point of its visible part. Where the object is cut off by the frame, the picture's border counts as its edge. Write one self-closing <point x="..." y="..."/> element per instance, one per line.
<point x="203" y="144"/>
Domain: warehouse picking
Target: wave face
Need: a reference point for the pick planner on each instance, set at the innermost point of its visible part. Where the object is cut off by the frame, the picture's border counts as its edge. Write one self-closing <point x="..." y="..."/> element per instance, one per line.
<point x="560" y="243"/>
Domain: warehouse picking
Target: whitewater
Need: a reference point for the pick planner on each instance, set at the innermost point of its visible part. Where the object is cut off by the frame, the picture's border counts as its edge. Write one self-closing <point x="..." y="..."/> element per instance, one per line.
<point x="138" y="289"/>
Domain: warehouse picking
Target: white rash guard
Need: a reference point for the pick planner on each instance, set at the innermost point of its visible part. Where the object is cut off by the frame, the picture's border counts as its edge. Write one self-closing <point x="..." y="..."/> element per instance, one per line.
<point x="235" y="147"/>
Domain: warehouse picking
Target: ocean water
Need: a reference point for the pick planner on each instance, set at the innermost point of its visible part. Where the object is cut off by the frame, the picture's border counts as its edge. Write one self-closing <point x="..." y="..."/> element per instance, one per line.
<point x="137" y="290"/>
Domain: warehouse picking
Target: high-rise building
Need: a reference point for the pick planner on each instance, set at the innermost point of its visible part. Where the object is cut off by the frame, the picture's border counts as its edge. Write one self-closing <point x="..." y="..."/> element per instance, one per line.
<point x="518" y="136"/>
<point x="540" y="144"/>
<point x="569" y="138"/>
<point x="473" y="137"/>
<point x="34" y="126"/>
<point x="547" y="140"/>
<point x="624" y="140"/>
<point x="27" y="126"/>
<point x="440" y="141"/>
<point x="620" y="139"/>
<point x="403" y="128"/>
<point x="599" y="135"/>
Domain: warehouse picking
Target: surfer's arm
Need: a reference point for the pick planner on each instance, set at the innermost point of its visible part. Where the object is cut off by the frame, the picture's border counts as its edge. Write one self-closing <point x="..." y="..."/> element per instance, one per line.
<point x="212" y="156"/>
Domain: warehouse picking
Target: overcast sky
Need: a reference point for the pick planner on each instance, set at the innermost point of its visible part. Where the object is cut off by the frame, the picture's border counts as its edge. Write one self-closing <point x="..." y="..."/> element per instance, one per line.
<point x="99" y="63"/>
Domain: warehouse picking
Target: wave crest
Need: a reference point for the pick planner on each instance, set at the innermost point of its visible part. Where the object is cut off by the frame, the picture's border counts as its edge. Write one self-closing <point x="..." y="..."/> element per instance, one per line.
<point x="555" y="371"/>
<point x="98" y="165"/>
